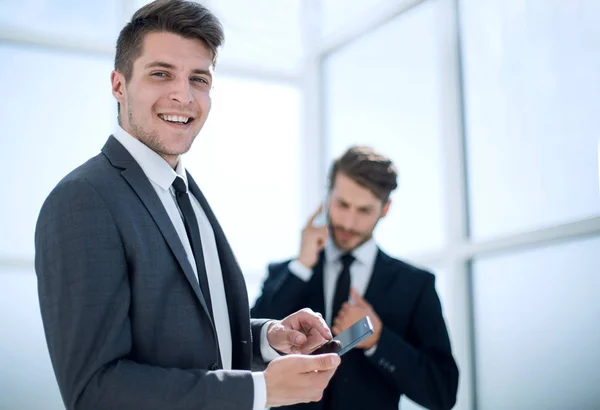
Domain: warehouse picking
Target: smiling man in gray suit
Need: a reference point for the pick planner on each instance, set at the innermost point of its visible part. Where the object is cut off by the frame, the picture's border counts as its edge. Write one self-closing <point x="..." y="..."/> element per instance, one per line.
<point x="143" y="303"/>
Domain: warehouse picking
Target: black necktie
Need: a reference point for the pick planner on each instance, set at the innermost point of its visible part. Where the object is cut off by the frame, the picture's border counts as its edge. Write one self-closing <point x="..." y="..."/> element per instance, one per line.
<point x="193" y="233"/>
<point x="342" y="287"/>
<point x="341" y="295"/>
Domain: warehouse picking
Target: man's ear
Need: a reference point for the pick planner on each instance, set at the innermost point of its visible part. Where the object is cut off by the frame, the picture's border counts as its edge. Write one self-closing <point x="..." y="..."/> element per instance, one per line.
<point x="117" y="80"/>
<point x="386" y="208"/>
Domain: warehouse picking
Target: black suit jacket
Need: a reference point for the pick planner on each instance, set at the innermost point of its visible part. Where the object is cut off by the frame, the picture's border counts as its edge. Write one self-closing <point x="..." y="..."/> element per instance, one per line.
<point x="125" y="320"/>
<point x="413" y="356"/>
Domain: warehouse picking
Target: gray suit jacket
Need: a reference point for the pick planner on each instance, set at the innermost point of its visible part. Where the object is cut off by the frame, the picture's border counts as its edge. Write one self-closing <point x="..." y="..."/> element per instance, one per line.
<point x="125" y="320"/>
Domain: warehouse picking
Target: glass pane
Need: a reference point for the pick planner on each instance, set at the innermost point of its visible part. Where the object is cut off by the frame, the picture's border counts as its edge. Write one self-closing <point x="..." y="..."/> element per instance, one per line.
<point x="537" y="329"/>
<point x="60" y="112"/>
<point x="260" y="33"/>
<point x="341" y="14"/>
<point x="26" y="377"/>
<point x="85" y="20"/>
<point x="246" y="162"/>
<point x="532" y="92"/>
<point x="384" y="90"/>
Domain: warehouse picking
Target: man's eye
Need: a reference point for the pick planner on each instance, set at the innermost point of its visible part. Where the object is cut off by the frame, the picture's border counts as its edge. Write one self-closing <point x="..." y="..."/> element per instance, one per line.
<point x="200" y="80"/>
<point x="159" y="74"/>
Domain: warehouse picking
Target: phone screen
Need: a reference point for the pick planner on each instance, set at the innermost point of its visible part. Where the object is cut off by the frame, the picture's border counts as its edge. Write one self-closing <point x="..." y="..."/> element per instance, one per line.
<point x="349" y="338"/>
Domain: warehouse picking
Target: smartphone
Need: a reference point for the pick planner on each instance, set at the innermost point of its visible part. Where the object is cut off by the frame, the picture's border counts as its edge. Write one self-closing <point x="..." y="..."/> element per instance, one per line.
<point x="323" y="218"/>
<point x="349" y="338"/>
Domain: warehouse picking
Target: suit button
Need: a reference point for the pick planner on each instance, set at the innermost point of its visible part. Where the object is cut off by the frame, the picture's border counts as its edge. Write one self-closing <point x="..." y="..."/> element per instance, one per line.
<point x="392" y="368"/>
<point x="214" y="366"/>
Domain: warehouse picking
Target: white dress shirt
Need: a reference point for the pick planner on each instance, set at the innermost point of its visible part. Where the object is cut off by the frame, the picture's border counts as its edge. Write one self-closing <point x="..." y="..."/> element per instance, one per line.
<point x="361" y="271"/>
<point x="161" y="176"/>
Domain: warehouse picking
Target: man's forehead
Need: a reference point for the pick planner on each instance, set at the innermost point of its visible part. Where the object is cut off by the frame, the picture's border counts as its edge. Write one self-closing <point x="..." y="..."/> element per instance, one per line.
<point x="172" y="48"/>
<point x="362" y="200"/>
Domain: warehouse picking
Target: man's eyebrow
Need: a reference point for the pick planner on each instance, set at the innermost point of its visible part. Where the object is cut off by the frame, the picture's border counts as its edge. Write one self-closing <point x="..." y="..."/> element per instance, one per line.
<point x="169" y="66"/>
<point x="202" y="72"/>
<point x="159" y="64"/>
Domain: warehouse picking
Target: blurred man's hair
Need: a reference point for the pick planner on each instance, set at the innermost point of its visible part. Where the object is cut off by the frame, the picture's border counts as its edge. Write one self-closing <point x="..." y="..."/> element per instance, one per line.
<point x="367" y="168"/>
<point x="185" y="18"/>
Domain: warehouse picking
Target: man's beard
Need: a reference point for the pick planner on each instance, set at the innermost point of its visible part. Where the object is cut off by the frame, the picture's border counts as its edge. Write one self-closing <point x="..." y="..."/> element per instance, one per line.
<point x="150" y="138"/>
<point x="364" y="237"/>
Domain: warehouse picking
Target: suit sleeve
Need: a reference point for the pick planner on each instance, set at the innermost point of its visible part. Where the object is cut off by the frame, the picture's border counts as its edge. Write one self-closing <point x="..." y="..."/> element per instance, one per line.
<point x="84" y="295"/>
<point x="422" y="366"/>
<point x="258" y="361"/>
<point x="283" y="293"/>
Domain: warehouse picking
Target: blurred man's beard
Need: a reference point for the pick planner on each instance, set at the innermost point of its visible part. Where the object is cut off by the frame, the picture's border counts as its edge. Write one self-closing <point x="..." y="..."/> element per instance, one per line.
<point x="360" y="236"/>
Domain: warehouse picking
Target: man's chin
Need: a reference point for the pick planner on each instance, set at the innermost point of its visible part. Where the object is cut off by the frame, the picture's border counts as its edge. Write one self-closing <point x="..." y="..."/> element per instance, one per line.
<point x="179" y="148"/>
<point x="350" y="244"/>
<point x="345" y="245"/>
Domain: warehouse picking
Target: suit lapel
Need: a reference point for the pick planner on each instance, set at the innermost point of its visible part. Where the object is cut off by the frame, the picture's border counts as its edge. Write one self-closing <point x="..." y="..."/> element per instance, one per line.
<point x="380" y="280"/>
<point x="138" y="181"/>
<point x="235" y="286"/>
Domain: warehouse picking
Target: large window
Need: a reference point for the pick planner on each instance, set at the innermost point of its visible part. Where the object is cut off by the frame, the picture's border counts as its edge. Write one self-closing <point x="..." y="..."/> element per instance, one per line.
<point x="58" y="110"/>
<point x="536" y="328"/>
<point x="520" y="78"/>
<point x="98" y="21"/>
<point x="340" y="14"/>
<point x="246" y="161"/>
<point x="26" y="377"/>
<point x="384" y="90"/>
<point x="532" y="92"/>
<point x="262" y="35"/>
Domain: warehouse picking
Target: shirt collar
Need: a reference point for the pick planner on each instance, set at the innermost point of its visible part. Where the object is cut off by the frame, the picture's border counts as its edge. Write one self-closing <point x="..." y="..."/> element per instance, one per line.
<point x="154" y="166"/>
<point x="365" y="253"/>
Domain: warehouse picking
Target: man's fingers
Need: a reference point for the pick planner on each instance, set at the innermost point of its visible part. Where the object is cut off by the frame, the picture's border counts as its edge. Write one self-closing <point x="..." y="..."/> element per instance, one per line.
<point x="322" y="233"/>
<point x="320" y="363"/>
<point x="329" y="361"/>
<point x="312" y="218"/>
<point x="346" y="306"/>
<point x="315" y="339"/>
<point x="310" y="320"/>
<point x="295" y="338"/>
<point x="326" y="376"/>
<point x="321" y="379"/>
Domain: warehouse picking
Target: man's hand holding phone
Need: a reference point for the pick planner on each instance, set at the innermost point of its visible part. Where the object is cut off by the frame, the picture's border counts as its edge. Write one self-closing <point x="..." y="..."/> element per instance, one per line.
<point x="296" y="379"/>
<point x="314" y="236"/>
<point x="300" y="332"/>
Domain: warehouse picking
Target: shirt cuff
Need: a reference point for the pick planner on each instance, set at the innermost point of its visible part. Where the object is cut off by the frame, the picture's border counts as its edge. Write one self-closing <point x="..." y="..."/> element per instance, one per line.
<point x="267" y="352"/>
<point x="260" y="391"/>
<point x="301" y="271"/>
<point x="371" y="351"/>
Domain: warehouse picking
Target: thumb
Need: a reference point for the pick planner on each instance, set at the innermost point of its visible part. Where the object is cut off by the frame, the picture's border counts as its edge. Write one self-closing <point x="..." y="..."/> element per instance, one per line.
<point x="322" y="362"/>
<point x="295" y="338"/>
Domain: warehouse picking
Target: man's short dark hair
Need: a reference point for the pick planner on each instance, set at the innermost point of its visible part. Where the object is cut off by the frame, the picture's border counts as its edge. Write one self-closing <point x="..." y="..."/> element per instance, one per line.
<point x="185" y="18"/>
<point x="367" y="168"/>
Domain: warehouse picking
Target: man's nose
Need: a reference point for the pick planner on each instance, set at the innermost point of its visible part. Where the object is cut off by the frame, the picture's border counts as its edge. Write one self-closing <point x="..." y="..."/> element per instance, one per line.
<point x="347" y="220"/>
<point x="182" y="91"/>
